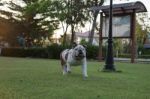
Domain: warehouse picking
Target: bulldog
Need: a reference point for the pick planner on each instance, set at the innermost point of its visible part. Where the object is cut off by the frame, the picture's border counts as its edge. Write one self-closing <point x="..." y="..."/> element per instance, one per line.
<point x="73" y="57"/>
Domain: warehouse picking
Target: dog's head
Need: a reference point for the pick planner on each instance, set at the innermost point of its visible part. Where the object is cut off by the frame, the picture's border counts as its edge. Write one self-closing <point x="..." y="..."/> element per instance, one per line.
<point x="79" y="51"/>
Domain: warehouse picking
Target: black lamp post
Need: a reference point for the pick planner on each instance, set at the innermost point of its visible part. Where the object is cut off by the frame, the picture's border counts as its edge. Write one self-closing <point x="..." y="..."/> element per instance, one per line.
<point x="109" y="63"/>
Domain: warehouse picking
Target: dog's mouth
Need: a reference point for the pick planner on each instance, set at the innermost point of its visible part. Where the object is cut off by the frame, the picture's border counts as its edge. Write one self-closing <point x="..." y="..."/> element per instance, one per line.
<point x="80" y="56"/>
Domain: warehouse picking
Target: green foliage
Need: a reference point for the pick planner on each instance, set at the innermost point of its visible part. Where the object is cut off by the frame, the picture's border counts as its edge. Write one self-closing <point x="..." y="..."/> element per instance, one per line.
<point x="92" y="52"/>
<point x="91" y="3"/>
<point x="73" y="13"/>
<point x="124" y="55"/>
<point x="70" y="12"/>
<point x="31" y="8"/>
<point x="21" y="52"/>
<point x="39" y="19"/>
<point x="94" y="15"/>
<point x="144" y="56"/>
<point x="52" y="52"/>
<point x="140" y="34"/>
<point x="118" y="47"/>
<point x="142" y="28"/>
<point x="83" y="42"/>
<point x="13" y="52"/>
<point x="55" y="50"/>
<point x="145" y="51"/>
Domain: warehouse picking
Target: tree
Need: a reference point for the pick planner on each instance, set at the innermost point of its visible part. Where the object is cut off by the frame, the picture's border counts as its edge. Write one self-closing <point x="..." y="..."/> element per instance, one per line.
<point x="42" y="17"/>
<point x="95" y="14"/>
<point x="77" y="14"/>
<point x="10" y="21"/>
<point x="35" y="27"/>
<point x="62" y="9"/>
<point x="70" y="12"/>
<point x="73" y="13"/>
<point x="39" y="19"/>
<point x="118" y="47"/>
<point x="142" y="28"/>
<point x="13" y="13"/>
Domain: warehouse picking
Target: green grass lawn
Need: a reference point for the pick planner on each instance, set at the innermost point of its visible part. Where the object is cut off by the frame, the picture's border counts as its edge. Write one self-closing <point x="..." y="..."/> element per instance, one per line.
<point x="25" y="78"/>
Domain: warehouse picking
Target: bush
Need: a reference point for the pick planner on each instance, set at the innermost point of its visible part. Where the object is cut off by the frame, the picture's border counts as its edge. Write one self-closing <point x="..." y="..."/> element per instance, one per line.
<point x="13" y="52"/>
<point x="92" y="52"/>
<point x="36" y="52"/>
<point x="124" y="55"/>
<point x="144" y="56"/>
<point x="25" y="52"/>
<point x="52" y="52"/>
<point x="55" y="50"/>
<point x="129" y="56"/>
<point x="146" y="51"/>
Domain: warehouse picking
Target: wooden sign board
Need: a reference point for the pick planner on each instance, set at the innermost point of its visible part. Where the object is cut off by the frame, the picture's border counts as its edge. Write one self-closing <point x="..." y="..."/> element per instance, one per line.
<point x="121" y="27"/>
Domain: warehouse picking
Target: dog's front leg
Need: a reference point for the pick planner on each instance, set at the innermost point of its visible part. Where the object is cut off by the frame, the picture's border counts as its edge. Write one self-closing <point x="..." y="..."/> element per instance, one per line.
<point x="68" y="68"/>
<point x="64" y="68"/>
<point x="84" y="68"/>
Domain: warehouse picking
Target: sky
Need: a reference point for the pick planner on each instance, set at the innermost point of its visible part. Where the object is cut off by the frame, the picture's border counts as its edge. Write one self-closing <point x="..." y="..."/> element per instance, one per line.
<point x="6" y="7"/>
<point x="19" y="2"/>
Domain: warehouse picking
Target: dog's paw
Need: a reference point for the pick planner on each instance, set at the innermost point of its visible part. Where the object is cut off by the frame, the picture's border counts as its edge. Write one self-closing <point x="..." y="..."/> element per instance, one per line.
<point x="69" y="72"/>
<point x="85" y="77"/>
<point x="64" y="73"/>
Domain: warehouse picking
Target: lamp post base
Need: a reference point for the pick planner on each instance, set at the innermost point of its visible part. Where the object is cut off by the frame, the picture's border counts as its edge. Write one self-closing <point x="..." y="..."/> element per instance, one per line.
<point x="111" y="70"/>
<point x="109" y="67"/>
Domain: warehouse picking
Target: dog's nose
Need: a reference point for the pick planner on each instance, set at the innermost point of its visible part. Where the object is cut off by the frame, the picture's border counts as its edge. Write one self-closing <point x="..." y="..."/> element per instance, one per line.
<point x="80" y="51"/>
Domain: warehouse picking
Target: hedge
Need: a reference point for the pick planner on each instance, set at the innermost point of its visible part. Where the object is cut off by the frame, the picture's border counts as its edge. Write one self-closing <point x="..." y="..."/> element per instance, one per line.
<point x="52" y="52"/>
<point x="146" y="51"/>
<point x="129" y="56"/>
<point x="144" y="56"/>
<point x="25" y="52"/>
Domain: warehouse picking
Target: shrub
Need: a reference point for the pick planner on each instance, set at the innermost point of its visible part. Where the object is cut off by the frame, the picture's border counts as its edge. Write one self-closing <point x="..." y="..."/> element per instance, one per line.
<point x="25" y="52"/>
<point x="92" y="52"/>
<point x="13" y="52"/>
<point x="124" y="55"/>
<point x="36" y="52"/>
<point x="52" y="52"/>
<point x="146" y="51"/>
<point x="144" y="56"/>
<point x="55" y="50"/>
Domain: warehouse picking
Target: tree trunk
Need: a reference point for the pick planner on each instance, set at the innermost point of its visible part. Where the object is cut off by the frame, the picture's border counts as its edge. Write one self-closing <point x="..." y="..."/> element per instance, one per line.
<point x="64" y="38"/>
<point x="73" y="34"/>
<point x="91" y="35"/>
<point x="65" y="34"/>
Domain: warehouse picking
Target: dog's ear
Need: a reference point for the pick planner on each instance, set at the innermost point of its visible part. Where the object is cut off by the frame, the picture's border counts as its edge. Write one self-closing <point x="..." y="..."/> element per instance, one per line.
<point x="74" y="44"/>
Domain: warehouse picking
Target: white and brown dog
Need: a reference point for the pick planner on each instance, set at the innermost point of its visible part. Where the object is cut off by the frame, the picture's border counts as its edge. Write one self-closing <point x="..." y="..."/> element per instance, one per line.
<point x="73" y="57"/>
